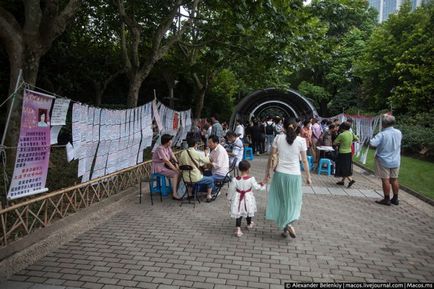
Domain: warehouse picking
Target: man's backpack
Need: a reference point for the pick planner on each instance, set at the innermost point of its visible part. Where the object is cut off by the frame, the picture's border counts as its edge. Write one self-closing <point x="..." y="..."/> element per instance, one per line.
<point x="269" y="129"/>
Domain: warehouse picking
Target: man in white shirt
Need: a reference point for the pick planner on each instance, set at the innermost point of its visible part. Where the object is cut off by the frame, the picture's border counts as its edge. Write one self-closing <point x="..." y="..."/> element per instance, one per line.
<point x="239" y="129"/>
<point x="237" y="148"/>
<point x="219" y="158"/>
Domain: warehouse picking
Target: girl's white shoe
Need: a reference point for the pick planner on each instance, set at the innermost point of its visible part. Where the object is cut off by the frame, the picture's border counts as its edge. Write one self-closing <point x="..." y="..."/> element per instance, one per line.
<point x="251" y="226"/>
<point x="238" y="232"/>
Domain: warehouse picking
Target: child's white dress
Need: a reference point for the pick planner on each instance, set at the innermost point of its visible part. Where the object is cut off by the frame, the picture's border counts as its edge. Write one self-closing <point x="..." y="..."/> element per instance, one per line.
<point x="241" y="197"/>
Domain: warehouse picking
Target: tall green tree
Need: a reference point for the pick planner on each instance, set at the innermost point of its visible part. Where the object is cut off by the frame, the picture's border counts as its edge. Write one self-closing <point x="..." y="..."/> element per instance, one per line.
<point x="27" y="32"/>
<point x="86" y="59"/>
<point x="152" y="28"/>
<point x="261" y="42"/>
<point x="397" y="65"/>
<point x="347" y="24"/>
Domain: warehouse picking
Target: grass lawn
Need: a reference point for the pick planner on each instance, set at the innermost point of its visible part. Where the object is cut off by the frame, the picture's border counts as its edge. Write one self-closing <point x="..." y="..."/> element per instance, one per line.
<point x="415" y="174"/>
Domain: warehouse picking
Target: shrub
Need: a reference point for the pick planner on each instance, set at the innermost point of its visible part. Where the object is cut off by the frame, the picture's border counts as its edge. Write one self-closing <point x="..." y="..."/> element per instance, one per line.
<point x="418" y="134"/>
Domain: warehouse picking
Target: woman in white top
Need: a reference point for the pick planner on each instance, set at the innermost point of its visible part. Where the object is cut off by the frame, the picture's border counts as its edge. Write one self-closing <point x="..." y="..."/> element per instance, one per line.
<point x="285" y="195"/>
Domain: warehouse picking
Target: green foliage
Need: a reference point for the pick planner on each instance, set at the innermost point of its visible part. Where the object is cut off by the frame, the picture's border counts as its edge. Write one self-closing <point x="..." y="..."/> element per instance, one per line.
<point x="346" y="26"/>
<point x="312" y="91"/>
<point x="418" y="133"/>
<point x="220" y="99"/>
<point x="397" y="64"/>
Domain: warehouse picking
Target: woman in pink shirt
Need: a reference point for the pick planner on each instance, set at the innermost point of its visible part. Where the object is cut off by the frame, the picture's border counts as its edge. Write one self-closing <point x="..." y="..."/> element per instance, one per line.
<point x="164" y="162"/>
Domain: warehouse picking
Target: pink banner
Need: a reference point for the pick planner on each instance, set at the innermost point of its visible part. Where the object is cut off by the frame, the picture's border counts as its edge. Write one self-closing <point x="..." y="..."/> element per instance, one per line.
<point x="33" y="152"/>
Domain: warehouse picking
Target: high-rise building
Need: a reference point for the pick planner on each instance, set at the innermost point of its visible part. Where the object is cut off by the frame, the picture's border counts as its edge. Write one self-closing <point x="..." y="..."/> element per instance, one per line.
<point x="387" y="7"/>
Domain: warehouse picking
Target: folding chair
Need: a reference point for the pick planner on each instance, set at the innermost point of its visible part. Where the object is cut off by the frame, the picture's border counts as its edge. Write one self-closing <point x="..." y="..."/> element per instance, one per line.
<point x="194" y="187"/>
<point x="226" y="180"/>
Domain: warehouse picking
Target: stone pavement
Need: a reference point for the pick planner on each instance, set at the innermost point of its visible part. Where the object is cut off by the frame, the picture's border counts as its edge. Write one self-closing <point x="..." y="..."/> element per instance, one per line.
<point x="342" y="236"/>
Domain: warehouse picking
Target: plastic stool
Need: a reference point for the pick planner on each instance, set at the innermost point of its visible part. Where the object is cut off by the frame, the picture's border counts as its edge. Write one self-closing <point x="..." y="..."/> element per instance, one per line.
<point x="310" y="163"/>
<point x="248" y="153"/>
<point x="327" y="169"/>
<point x="157" y="184"/>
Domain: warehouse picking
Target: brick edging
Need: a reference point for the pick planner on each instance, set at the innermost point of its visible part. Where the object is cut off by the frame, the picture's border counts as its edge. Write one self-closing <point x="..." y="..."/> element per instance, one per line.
<point x="35" y="246"/>
<point x="403" y="187"/>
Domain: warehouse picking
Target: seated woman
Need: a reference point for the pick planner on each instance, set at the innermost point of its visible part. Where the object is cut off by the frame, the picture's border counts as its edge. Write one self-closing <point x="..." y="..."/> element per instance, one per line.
<point x="164" y="162"/>
<point x="194" y="159"/>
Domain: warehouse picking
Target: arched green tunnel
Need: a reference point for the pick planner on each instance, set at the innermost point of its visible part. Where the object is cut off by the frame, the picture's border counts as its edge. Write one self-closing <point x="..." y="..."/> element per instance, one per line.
<point x="273" y="102"/>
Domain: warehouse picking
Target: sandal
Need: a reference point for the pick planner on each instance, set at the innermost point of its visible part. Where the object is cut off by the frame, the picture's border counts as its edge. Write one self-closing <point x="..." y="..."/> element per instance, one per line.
<point x="291" y="231"/>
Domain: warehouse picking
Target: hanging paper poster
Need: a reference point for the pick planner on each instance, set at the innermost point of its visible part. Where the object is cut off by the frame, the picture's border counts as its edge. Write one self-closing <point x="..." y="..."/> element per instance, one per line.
<point x="175" y="120"/>
<point x="54" y="133"/>
<point x="60" y="109"/>
<point x="157" y="116"/>
<point x="33" y="152"/>
<point x="69" y="152"/>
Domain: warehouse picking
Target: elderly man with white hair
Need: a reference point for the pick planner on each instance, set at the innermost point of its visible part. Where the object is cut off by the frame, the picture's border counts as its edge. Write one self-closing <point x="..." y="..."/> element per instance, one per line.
<point x="388" y="158"/>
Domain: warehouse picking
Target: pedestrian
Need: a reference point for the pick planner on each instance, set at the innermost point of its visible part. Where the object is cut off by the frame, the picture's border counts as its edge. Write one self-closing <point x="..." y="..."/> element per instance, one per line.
<point x="388" y="158"/>
<point x="270" y="129"/>
<point x="285" y="195"/>
<point x="216" y="128"/>
<point x="344" y="160"/>
<point x="241" y="197"/>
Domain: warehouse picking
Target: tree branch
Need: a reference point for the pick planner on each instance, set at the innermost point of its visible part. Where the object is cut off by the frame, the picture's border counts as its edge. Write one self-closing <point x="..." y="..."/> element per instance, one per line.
<point x="161" y="31"/>
<point x="134" y="29"/>
<point x="33" y="17"/>
<point x="199" y="84"/>
<point x="56" y="26"/>
<point x="159" y="51"/>
<point x="11" y="33"/>
<point x="125" y="55"/>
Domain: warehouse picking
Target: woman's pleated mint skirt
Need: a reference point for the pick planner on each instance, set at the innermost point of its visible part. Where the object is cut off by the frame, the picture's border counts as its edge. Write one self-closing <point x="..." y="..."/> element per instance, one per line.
<point x="284" y="199"/>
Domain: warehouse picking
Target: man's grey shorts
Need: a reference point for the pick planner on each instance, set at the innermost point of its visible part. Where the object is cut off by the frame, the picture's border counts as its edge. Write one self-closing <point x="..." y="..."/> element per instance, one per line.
<point x="385" y="173"/>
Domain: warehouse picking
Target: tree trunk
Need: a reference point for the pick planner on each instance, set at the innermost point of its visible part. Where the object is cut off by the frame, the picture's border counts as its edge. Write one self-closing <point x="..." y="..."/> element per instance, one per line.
<point x="200" y="100"/>
<point x="16" y="63"/>
<point x="31" y="66"/>
<point x="133" y="90"/>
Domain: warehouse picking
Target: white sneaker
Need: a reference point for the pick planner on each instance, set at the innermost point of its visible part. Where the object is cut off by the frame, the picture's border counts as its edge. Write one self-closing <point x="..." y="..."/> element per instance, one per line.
<point x="251" y="226"/>
<point x="238" y="232"/>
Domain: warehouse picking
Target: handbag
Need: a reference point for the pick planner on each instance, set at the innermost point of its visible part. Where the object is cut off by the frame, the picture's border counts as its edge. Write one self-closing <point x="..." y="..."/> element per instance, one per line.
<point x="173" y="161"/>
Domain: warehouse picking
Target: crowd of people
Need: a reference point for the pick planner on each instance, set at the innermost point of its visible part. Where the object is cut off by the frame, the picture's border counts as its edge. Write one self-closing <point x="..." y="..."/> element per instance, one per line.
<point x="289" y="142"/>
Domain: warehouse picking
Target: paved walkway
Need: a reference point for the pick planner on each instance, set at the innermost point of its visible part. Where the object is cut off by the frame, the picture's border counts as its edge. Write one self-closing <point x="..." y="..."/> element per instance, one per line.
<point x="342" y="236"/>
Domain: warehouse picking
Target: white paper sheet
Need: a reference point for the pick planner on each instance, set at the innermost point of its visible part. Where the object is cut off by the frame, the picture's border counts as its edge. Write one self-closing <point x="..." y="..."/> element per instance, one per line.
<point x="54" y="133"/>
<point x="157" y="116"/>
<point x="69" y="152"/>
<point x="81" y="167"/>
<point x="60" y="109"/>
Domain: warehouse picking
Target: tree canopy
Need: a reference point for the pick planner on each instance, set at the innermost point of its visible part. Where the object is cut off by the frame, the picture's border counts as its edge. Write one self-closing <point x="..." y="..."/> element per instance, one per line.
<point x="215" y="52"/>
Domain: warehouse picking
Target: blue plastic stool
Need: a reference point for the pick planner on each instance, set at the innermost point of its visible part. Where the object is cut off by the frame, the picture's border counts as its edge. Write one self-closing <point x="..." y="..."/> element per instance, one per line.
<point x="310" y="163"/>
<point x="157" y="184"/>
<point x="248" y="153"/>
<point x="327" y="169"/>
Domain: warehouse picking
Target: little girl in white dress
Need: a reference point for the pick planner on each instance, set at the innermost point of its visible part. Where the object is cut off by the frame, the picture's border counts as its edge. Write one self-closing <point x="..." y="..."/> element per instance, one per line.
<point x="241" y="197"/>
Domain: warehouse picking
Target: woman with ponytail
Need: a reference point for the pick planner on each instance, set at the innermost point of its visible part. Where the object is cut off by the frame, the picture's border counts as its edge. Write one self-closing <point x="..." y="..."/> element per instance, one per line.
<point x="285" y="195"/>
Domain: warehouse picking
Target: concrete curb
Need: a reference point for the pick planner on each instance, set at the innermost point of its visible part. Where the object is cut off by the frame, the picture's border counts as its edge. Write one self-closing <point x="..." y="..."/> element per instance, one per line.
<point x="33" y="247"/>
<point x="402" y="187"/>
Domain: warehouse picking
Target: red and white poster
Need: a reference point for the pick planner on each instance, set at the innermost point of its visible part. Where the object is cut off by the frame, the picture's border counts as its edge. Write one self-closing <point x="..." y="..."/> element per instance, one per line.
<point x="33" y="152"/>
<point x="175" y="120"/>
